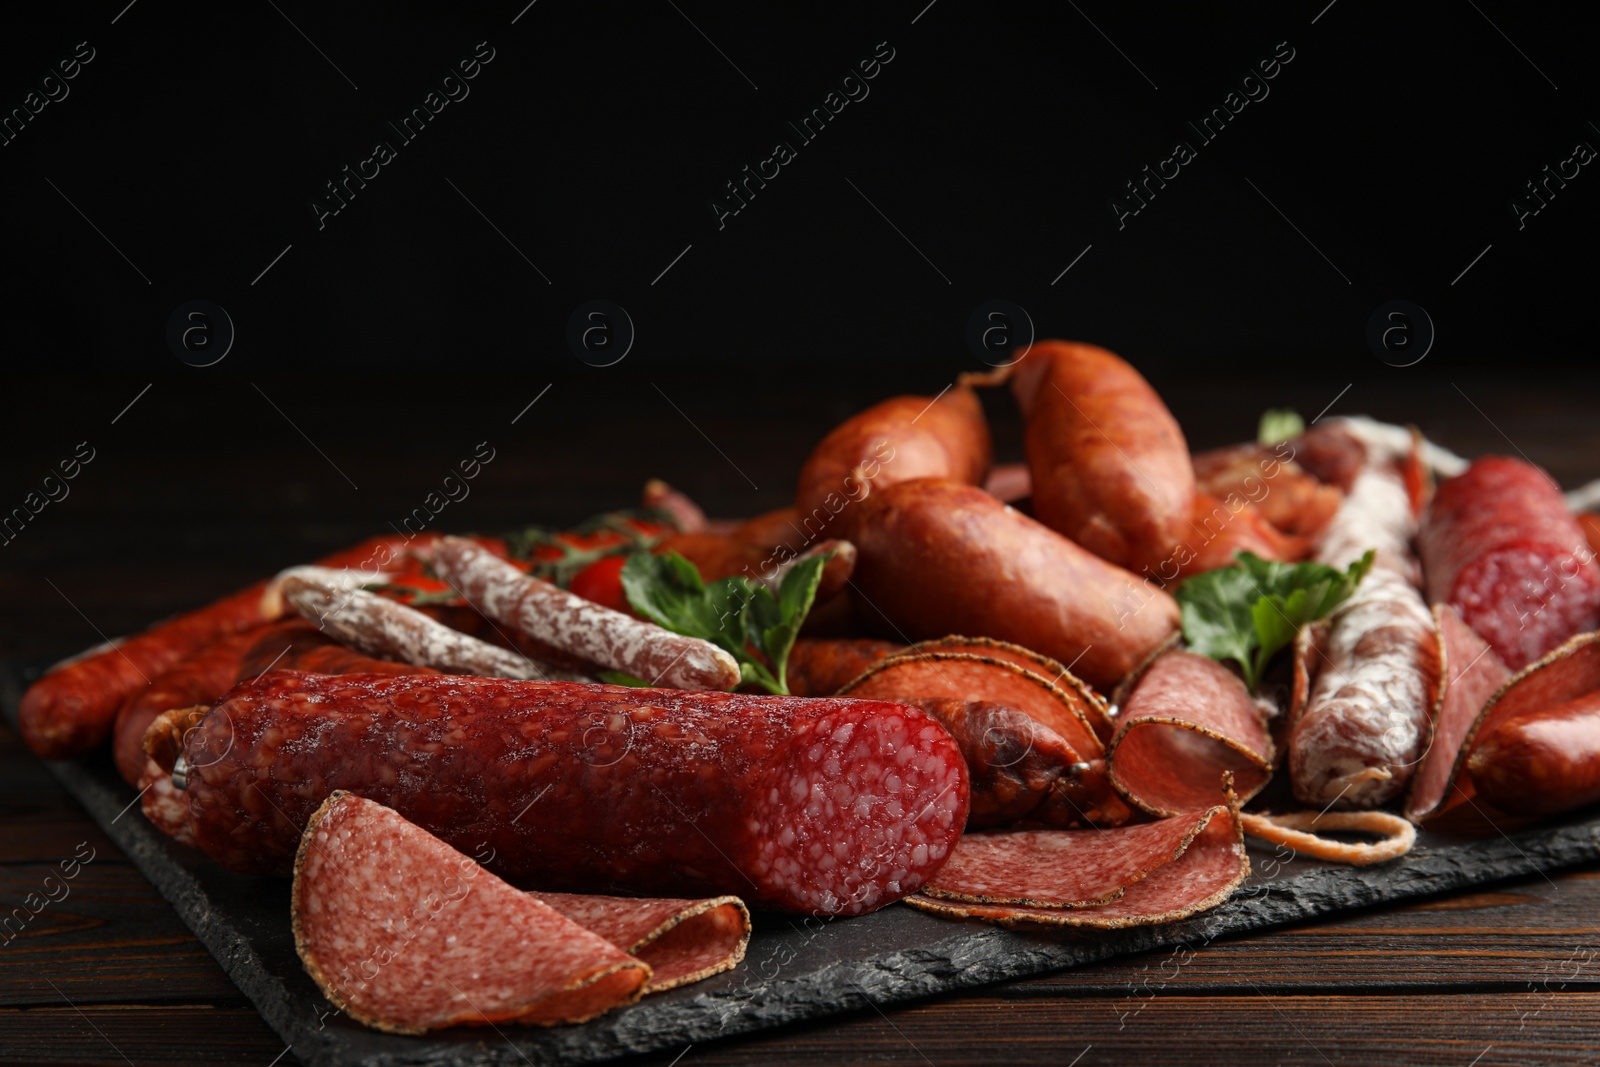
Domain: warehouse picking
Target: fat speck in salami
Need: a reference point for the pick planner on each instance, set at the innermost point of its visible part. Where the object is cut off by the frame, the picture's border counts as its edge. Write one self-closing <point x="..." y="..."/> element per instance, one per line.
<point x="829" y="806"/>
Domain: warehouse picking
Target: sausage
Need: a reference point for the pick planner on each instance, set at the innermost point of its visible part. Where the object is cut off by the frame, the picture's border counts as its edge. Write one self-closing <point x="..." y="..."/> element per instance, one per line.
<point x="1110" y="466"/>
<point x="772" y="529"/>
<point x="576" y="626"/>
<point x="900" y="439"/>
<point x="199" y="679"/>
<point x="831" y="806"/>
<point x="72" y="709"/>
<point x="1542" y="762"/>
<point x="1021" y="770"/>
<point x="297" y="645"/>
<point x="936" y="557"/>
<point x="382" y="627"/>
<point x="1499" y="545"/>
<point x="1363" y="730"/>
<point x="820" y="667"/>
<point x="1285" y="493"/>
<point x="1223" y="528"/>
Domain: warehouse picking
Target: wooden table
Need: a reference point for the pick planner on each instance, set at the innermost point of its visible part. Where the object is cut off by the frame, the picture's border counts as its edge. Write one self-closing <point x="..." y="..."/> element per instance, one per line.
<point x="1508" y="974"/>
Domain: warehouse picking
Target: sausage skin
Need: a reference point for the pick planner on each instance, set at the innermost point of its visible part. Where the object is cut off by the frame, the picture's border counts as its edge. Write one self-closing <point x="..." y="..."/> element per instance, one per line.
<point x="832" y="806"/>
<point x="1110" y="466"/>
<point x="900" y="439"/>
<point x="937" y="557"/>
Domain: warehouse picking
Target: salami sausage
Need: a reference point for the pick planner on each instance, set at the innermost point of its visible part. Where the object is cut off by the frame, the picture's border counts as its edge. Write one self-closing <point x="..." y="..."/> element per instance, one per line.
<point x="578" y="627"/>
<point x="831" y="806"/>
<point x="900" y="439"/>
<point x="297" y="645"/>
<point x="1542" y="762"/>
<point x="382" y="627"/>
<point x="1358" y="741"/>
<point x="1500" y="546"/>
<point x="199" y="679"/>
<point x="404" y="933"/>
<point x="1110" y="466"/>
<point x="72" y="709"/>
<point x="936" y="557"/>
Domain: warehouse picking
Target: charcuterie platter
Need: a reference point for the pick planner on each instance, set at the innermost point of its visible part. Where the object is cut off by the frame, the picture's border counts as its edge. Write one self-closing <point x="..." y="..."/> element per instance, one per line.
<point x="664" y="778"/>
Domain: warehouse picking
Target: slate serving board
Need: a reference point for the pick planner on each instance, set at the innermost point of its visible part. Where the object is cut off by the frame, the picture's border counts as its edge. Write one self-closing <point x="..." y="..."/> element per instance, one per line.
<point x="795" y="969"/>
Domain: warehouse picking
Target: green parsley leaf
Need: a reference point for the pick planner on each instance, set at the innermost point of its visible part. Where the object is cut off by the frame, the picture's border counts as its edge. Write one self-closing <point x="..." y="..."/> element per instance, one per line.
<point x="1279" y="424"/>
<point x="737" y="614"/>
<point x="622" y="678"/>
<point x="1252" y="610"/>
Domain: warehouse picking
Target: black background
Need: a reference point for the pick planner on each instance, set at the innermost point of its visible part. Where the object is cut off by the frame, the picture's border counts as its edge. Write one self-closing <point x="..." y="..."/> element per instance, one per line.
<point x="414" y="324"/>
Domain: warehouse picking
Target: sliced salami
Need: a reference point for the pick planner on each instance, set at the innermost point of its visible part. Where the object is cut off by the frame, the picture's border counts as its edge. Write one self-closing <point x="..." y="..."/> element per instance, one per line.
<point x="1499" y="545"/>
<point x="1070" y="709"/>
<point x="683" y="941"/>
<point x="1212" y="866"/>
<point x="1063" y="868"/>
<point x="1187" y="721"/>
<point x="828" y="806"/>
<point x="1471" y="673"/>
<point x="405" y="934"/>
<point x="579" y="627"/>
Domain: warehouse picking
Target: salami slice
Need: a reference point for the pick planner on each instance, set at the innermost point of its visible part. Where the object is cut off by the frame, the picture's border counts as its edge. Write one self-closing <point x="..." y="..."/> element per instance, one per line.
<point x="683" y="941"/>
<point x="1470" y="674"/>
<point x="1063" y="868"/>
<point x="1533" y="749"/>
<point x="405" y="934"/>
<point x="1188" y="720"/>
<point x="1212" y="866"/>
<point x="1499" y="545"/>
<point x="808" y="805"/>
<point x="1070" y="709"/>
<point x="579" y="627"/>
<point x="381" y="627"/>
<point x="1084" y="698"/>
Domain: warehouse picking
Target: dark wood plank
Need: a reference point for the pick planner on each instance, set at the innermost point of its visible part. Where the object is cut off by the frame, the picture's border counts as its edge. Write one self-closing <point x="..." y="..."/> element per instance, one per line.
<point x="1489" y="1030"/>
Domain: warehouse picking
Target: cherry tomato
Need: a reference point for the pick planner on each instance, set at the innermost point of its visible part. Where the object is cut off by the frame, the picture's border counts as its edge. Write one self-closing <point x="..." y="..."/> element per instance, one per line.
<point x="601" y="582"/>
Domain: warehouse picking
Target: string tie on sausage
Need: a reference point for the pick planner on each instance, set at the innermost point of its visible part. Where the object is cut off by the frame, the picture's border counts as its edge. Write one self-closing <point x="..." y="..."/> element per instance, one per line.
<point x="1293" y="829"/>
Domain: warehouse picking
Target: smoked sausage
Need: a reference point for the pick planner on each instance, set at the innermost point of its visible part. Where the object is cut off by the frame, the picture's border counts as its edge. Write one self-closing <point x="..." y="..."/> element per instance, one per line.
<point x="1110" y="466"/>
<point x="900" y="439"/>
<point x="936" y="557"/>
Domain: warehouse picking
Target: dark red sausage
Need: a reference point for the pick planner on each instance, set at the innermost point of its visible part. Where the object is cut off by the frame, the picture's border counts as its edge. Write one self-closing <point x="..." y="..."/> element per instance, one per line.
<point x="1500" y="545"/>
<point x="200" y="679"/>
<point x="72" y="709"/>
<point x="1542" y="762"/>
<point x="831" y="806"/>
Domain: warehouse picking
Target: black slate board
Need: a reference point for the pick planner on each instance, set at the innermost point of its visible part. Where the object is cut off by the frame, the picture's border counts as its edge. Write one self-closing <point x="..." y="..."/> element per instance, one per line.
<point x="795" y="970"/>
